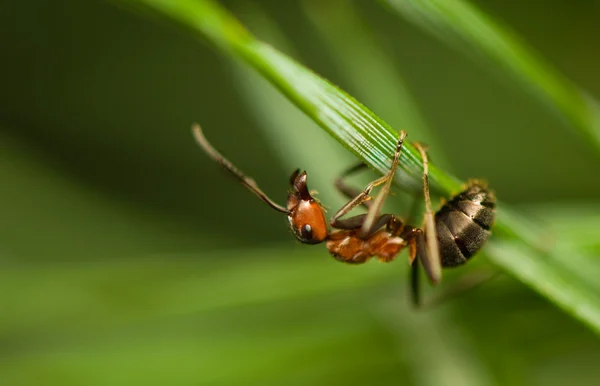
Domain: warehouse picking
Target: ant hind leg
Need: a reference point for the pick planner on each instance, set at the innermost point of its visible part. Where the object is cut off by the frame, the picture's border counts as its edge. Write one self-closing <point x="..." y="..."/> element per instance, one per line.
<point x="429" y="251"/>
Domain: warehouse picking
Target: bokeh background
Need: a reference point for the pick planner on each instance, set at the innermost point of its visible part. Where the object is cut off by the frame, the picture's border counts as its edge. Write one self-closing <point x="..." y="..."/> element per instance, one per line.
<point x="127" y="257"/>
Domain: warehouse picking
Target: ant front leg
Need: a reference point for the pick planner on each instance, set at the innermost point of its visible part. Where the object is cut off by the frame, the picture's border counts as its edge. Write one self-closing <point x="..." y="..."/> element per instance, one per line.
<point x="371" y="221"/>
<point x="351" y="192"/>
<point x="356" y="197"/>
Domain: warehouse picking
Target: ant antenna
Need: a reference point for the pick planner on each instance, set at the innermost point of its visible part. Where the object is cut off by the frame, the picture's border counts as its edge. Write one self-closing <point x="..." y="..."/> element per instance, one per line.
<point x="245" y="180"/>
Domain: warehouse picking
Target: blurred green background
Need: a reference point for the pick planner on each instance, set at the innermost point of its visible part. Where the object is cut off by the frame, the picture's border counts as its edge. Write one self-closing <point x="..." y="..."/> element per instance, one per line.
<point x="127" y="257"/>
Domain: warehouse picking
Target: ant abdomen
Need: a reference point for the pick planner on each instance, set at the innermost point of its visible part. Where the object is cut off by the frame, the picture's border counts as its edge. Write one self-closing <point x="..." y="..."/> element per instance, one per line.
<point x="463" y="224"/>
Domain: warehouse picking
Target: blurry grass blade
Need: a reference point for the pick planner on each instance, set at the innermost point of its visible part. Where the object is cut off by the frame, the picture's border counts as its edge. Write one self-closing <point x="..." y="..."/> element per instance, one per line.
<point x="373" y="141"/>
<point x="201" y="348"/>
<point x="554" y="278"/>
<point x="577" y="223"/>
<point x="461" y="24"/>
<point x="367" y="67"/>
<point x="438" y="355"/>
<point x="68" y="295"/>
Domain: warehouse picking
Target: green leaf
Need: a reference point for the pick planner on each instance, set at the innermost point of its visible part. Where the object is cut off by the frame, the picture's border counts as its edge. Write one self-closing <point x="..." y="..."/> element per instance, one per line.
<point x="461" y="24"/>
<point x="373" y="142"/>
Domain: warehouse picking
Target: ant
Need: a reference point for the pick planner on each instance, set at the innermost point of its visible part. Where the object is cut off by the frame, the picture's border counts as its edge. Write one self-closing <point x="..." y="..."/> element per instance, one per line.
<point x="449" y="238"/>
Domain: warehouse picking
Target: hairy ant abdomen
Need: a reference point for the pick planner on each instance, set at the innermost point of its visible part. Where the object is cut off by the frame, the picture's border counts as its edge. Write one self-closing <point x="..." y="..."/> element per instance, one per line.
<point x="463" y="224"/>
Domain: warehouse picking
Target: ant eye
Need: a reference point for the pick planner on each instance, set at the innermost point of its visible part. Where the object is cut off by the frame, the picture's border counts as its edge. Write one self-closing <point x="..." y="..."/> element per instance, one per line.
<point x="306" y="232"/>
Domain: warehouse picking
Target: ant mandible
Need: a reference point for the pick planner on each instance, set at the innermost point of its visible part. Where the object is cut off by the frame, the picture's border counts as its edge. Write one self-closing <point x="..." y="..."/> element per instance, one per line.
<point x="450" y="237"/>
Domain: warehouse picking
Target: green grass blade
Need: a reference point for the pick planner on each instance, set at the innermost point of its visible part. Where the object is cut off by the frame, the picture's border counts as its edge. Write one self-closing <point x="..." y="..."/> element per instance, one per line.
<point x="461" y="24"/>
<point x="373" y="141"/>
<point x="553" y="277"/>
<point x="371" y="73"/>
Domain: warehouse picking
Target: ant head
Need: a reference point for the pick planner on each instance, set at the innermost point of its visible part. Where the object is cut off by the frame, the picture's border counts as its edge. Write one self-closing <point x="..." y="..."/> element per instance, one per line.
<point x="306" y="216"/>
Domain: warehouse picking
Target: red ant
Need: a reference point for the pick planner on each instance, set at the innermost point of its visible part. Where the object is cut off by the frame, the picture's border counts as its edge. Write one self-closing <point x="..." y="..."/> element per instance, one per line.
<point x="450" y="237"/>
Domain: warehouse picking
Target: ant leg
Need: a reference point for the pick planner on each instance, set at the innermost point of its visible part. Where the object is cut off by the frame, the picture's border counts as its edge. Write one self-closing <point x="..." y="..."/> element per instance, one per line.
<point x="415" y="285"/>
<point x="373" y="213"/>
<point x="429" y="256"/>
<point x="359" y="199"/>
<point x="248" y="182"/>
<point x="417" y="249"/>
<point x="349" y="191"/>
<point x="363" y="196"/>
<point x="356" y="222"/>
